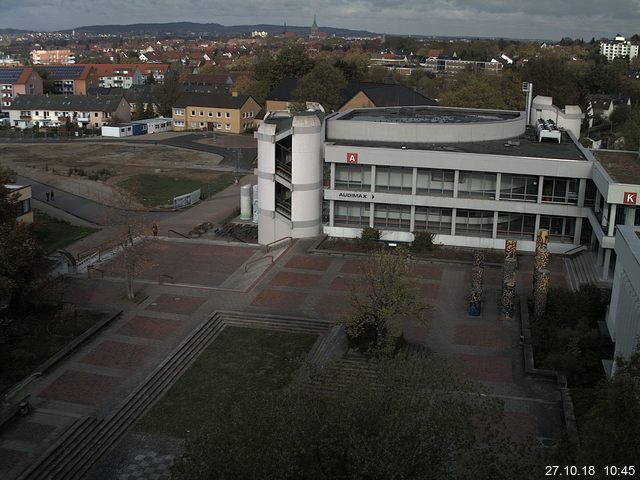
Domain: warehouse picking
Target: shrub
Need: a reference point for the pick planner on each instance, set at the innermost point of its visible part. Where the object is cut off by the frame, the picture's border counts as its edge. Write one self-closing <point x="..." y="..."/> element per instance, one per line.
<point x="423" y="242"/>
<point x="369" y="238"/>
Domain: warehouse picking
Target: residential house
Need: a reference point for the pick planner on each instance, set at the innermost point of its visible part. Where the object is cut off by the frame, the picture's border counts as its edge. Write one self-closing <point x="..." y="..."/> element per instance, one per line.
<point x="604" y="105"/>
<point x="214" y="112"/>
<point x="137" y="93"/>
<point x="16" y="81"/>
<point x="71" y="79"/>
<point x="84" y="111"/>
<point x="355" y="95"/>
<point x="118" y="75"/>
<point x="23" y="197"/>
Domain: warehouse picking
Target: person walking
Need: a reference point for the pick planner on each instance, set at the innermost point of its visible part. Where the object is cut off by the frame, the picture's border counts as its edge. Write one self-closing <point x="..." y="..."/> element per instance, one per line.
<point x="47" y="195"/>
<point x="52" y="195"/>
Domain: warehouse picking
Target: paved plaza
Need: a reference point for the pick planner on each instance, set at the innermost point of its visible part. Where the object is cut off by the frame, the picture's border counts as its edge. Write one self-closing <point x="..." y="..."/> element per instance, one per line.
<point x="202" y="277"/>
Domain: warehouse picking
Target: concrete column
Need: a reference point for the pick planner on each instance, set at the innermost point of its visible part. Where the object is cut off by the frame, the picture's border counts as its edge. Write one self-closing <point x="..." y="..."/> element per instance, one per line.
<point x="629" y="215"/>
<point x="332" y="183"/>
<point x="412" y="224"/>
<point x="456" y="178"/>
<point x="453" y="221"/>
<point x="612" y="219"/>
<point x="414" y="184"/>
<point x="373" y="178"/>
<point x="498" y="182"/>
<point x="605" y="213"/>
<point x="540" y="185"/>
<point x="582" y="188"/>
<point x="537" y="225"/>
<point x="371" y="213"/>
<point x="605" y="265"/>
<point x="578" y="231"/>
<point x="331" y="212"/>
<point x="494" y="233"/>
<point x="597" y="200"/>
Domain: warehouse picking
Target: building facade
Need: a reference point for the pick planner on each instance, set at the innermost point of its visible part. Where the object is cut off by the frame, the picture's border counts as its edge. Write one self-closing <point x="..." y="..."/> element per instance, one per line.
<point x="71" y="79"/>
<point x="83" y="111"/>
<point x="214" y="112"/>
<point x="473" y="177"/>
<point x="16" y="81"/>
<point x="623" y="313"/>
<point x="53" y="57"/>
<point x="618" y="48"/>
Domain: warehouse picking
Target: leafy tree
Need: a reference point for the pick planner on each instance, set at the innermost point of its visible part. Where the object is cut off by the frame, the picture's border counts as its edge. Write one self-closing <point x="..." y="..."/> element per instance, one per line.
<point x="139" y="112"/>
<point x="552" y="76"/>
<point x="631" y="130"/>
<point x="423" y="242"/>
<point x="413" y="419"/>
<point x="385" y="296"/>
<point x="611" y="433"/>
<point x="485" y="91"/>
<point x="288" y="62"/>
<point x="48" y="84"/>
<point x="257" y="89"/>
<point x="354" y="67"/>
<point x="167" y="93"/>
<point x="377" y="74"/>
<point x="20" y="254"/>
<point x="324" y="84"/>
<point x="150" y="80"/>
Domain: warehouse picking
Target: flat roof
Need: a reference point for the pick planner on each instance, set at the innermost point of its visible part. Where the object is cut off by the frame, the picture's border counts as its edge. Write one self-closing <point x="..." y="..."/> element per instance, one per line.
<point x="622" y="166"/>
<point x="516" y="147"/>
<point x="428" y="114"/>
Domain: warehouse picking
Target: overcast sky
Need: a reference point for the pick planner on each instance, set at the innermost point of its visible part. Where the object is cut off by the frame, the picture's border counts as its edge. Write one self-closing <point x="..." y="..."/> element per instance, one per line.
<point x="546" y="19"/>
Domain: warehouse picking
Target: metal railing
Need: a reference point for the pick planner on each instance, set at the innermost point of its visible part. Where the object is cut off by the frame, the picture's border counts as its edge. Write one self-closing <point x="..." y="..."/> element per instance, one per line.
<point x="268" y="246"/>
<point x="91" y="268"/>
<point x="574" y="250"/>
<point x="176" y="232"/>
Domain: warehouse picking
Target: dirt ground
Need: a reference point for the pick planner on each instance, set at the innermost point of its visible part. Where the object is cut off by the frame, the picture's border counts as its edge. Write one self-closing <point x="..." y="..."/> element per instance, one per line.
<point x="51" y="164"/>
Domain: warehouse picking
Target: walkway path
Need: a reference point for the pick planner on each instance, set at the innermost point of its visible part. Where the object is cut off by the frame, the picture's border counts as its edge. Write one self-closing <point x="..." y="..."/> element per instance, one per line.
<point x="94" y="381"/>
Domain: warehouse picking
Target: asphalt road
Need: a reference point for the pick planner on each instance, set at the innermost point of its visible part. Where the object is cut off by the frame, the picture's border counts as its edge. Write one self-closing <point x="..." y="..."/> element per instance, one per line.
<point x="81" y="207"/>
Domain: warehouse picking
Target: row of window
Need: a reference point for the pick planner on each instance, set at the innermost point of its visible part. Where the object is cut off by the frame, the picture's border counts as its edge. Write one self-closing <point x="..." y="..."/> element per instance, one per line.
<point x="470" y="184"/>
<point x="472" y="223"/>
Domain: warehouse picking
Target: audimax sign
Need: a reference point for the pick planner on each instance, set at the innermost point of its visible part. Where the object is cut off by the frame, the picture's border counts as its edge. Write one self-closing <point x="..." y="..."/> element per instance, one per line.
<point x="364" y="196"/>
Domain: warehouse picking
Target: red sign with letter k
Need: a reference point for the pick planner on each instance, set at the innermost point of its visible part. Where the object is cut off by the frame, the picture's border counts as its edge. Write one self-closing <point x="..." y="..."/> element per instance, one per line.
<point x="630" y="198"/>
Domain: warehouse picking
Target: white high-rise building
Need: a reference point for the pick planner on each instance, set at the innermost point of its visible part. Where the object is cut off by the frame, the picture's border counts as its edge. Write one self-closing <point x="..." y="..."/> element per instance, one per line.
<point x="618" y="48"/>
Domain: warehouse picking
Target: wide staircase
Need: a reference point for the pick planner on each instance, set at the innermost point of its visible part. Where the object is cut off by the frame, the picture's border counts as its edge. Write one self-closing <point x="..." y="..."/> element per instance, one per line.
<point x="582" y="271"/>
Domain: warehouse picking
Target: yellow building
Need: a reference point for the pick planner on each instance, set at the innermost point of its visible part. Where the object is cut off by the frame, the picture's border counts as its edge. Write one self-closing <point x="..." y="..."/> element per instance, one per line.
<point x="23" y="194"/>
<point x="214" y="112"/>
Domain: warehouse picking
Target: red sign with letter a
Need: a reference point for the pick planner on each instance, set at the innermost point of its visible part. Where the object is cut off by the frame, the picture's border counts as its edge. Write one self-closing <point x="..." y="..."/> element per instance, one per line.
<point x="630" y="198"/>
<point x="352" y="158"/>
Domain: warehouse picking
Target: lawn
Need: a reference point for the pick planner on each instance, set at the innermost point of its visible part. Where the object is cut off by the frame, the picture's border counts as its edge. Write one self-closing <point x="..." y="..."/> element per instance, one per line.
<point x="53" y="234"/>
<point x="238" y="361"/>
<point x="155" y="190"/>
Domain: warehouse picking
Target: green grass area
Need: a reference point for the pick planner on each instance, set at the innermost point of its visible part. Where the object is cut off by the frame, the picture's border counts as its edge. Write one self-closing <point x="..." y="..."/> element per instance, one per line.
<point x="53" y="234"/>
<point x="155" y="190"/>
<point x="238" y="361"/>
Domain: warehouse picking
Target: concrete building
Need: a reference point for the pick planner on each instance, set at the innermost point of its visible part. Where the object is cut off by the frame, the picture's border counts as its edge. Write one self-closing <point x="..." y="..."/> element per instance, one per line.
<point x="618" y="48"/>
<point x="454" y="66"/>
<point x="23" y="211"/>
<point x="214" y="112"/>
<point x="473" y="177"/>
<point x="84" y="111"/>
<point x="128" y="75"/>
<point x="53" y="57"/>
<point x="623" y="314"/>
<point x="16" y="81"/>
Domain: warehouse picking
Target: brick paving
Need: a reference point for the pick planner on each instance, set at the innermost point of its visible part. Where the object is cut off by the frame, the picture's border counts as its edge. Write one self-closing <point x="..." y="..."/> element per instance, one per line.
<point x="431" y="272"/>
<point x="333" y="304"/>
<point x="428" y="290"/>
<point x="520" y="426"/>
<point x="148" y="327"/>
<point x="353" y="266"/>
<point x="483" y="336"/>
<point x="484" y="368"/>
<point x="344" y="284"/>
<point x="9" y="458"/>
<point x="29" y="432"/>
<point x="92" y="292"/>
<point x="279" y="300"/>
<point x="180" y="304"/>
<point x="80" y="387"/>
<point x="295" y="279"/>
<point x="117" y="355"/>
<point x="187" y="262"/>
<point x="309" y="262"/>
